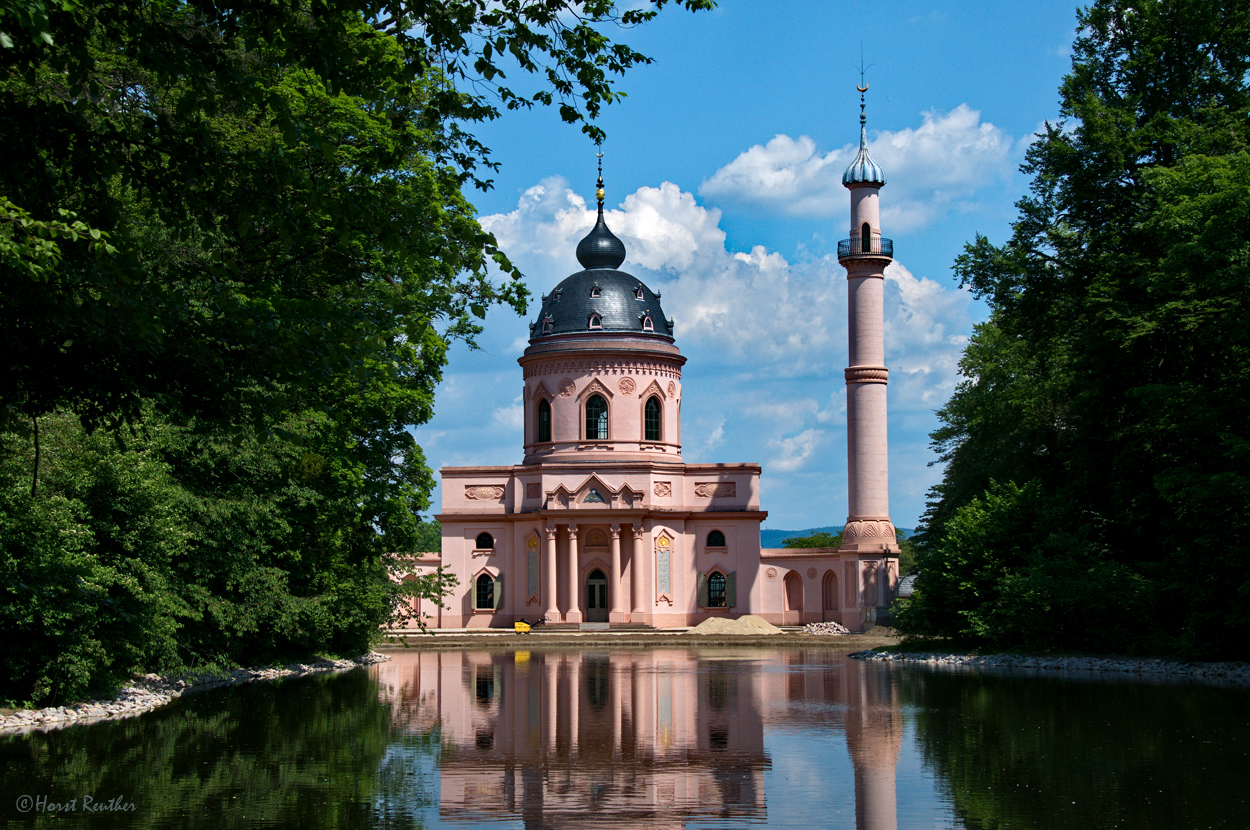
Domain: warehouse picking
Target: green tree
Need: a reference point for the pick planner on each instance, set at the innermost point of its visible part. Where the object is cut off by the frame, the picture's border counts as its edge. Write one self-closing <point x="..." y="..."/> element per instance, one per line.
<point x="1111" y="380"/>
<point x="818" y="539"/>
<point x="280" y="188"/>
<point x="236" y="236"/>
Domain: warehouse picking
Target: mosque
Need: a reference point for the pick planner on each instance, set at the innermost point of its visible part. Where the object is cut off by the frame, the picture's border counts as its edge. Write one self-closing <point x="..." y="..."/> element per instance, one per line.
<point x="603" y="524"/>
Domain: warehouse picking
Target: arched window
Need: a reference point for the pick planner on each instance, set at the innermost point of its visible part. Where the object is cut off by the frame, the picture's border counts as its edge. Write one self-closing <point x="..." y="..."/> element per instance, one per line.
<point x="595" y="293"/>
<point x="648" y="324"/>
<point x="638" y="293"/>
<point x="865" y="238"/>
<point x="716" y="590"/>
<point x="484" y="542"/>
<point x="651" y="420"/>
<point x="547" y="324"/>
<point x="596" y="322"/>
<point x="715" y="539"/>
<point x="544" y="420"/>
<point x="596" y="419"/>
<point x="485" y="592"/>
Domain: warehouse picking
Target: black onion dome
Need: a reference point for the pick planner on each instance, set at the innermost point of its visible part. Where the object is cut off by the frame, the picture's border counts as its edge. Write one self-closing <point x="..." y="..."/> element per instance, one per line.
<point x="617" y="302"/>
<point x="600" y="248"/>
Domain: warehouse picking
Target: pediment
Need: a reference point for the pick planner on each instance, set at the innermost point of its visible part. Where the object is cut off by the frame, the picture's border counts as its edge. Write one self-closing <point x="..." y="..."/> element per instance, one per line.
<point x="595" y="386"/>
<point x="593" y="494"/>
<point x="541" y="391"/>
<point x="654" y="389"/>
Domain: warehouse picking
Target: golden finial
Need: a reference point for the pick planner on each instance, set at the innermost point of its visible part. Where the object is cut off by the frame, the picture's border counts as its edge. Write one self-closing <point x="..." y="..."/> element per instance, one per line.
<point x="599" y="194"/>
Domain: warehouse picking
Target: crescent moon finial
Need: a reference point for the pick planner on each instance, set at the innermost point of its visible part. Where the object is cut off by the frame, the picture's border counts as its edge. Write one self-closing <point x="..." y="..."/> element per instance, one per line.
<point x="863" y="88"/>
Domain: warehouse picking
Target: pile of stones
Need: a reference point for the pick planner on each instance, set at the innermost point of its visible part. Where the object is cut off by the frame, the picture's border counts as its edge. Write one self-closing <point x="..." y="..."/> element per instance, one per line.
<point x="825" y="628"/>
<point x="1156" y="668"/>
<point x="150" y="691"/>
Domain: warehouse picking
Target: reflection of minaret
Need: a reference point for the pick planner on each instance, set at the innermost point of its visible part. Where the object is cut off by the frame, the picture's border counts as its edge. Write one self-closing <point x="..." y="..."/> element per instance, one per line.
<point x="869" y="534"/>
<point x="874" y="733"/>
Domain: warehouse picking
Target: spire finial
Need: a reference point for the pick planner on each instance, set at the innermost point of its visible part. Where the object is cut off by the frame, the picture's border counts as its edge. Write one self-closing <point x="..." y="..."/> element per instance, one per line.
<point x="863" y="170"/>
<point x="862" y="87"/>
<point x="599" y="194"/>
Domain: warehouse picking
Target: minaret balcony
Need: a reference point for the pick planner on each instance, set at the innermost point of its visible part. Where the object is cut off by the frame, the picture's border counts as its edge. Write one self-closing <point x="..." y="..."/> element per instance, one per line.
<point x="878" y="247"/>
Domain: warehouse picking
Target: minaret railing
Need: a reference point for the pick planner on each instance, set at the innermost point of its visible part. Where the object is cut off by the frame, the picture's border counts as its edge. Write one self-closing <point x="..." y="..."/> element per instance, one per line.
<point x="878" y="247"/>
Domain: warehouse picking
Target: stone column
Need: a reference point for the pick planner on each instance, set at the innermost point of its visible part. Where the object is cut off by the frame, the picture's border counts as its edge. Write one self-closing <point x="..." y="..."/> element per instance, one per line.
<point x="552" y="612"/>
<point x="574" y="614"/>
<point x="615" y="586"/>
<point x="638" y="566"/>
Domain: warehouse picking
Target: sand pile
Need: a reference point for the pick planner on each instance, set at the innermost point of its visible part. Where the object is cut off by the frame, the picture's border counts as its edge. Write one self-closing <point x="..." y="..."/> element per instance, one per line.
<point x="749" y="624"/>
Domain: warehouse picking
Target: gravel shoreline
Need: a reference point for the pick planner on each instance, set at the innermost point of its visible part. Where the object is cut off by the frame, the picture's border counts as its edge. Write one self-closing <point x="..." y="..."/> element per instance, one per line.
<point x="150" y="691"/>
<point x="1156" y="669"/>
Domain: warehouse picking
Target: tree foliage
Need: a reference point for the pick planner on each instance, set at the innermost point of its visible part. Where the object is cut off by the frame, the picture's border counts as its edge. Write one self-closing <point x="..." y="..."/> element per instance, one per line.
<point x="235" y="246"/>
<point x="816" y="539"/>
<point x="1112" y="381"/>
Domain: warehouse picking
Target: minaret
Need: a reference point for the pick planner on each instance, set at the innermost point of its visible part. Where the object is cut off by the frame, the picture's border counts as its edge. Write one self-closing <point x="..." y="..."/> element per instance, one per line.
<point x="869" y="546"/>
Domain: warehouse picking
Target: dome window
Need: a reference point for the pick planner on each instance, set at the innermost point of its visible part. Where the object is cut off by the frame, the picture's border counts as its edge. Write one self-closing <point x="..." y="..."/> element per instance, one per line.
<point x="597" y="419"/>
<point x="595" y="293"/>
<point x="648" y="324"/>
<point x="555" y="295"/>
<point x="715" y="539"/>
<point x="596" y="322"/>
<point x="651" y="419"/>
<point x="544" y="421"/>
<point x="638" y="293"/>
<point x="484" y="541"/>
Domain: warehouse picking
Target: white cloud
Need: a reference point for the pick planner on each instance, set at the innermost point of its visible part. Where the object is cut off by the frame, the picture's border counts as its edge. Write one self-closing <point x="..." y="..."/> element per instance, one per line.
<point x="765" y="339"/>
<point x="716" y="437"/>
<point x="793" y="452"/>
<point x="931" y="168"/>
<point x="925" y="331"/>
<point x="510" y="417"/>
<point x="753" y="311"/>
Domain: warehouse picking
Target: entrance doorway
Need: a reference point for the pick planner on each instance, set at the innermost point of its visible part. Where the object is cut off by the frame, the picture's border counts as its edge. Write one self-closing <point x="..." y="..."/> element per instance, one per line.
<point x="596" y="597"/>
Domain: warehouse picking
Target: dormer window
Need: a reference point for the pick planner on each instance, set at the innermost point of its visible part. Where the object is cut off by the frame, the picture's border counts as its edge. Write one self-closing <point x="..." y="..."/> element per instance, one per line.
<point x="648" y="324"/>
<point x="547" y="324"/>
<point x="555" y="295"/>
<point x="596" y="322"/>
<point x="595" y="293"/>
<point x="638" y="293"/>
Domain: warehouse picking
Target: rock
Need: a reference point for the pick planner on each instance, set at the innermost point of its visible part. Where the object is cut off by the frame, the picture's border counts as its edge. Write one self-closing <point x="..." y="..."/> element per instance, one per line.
<point x="826" y="628"/>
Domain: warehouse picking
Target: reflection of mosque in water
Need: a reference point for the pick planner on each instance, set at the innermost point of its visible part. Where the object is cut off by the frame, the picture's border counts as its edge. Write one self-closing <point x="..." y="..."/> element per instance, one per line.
<point x="636" y="739"/>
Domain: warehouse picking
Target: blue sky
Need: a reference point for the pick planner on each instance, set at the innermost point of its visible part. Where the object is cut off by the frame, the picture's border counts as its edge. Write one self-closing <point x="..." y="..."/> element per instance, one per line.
<point x="723" y="169"/>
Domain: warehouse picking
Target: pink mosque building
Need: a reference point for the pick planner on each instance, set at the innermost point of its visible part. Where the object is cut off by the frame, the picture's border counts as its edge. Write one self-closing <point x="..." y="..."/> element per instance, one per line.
<point x="603" y="523"/>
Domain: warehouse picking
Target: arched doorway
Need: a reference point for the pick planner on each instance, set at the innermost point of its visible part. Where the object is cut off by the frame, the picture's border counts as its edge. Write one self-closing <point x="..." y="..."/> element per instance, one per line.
<point x="596" y="597"/>
<point x="829" y="598"/>
<point x="793" y="612"/>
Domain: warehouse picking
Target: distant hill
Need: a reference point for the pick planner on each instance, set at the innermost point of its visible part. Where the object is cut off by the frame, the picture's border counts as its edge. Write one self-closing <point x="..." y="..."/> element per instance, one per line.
<point x="774" y="538"/>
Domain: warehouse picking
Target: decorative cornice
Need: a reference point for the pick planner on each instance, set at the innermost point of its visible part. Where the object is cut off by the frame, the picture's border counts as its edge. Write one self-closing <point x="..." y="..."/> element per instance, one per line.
<point x="867" y="374"/>
<point x="601" y="366"/>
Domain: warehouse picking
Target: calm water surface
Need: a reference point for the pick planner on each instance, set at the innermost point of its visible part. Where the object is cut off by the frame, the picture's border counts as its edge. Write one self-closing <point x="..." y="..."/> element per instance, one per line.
<point x="679" y="738"/>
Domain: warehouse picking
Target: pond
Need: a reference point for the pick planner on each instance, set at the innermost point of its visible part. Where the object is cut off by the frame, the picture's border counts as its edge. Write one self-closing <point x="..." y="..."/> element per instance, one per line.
<point x="649" y="738"/>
